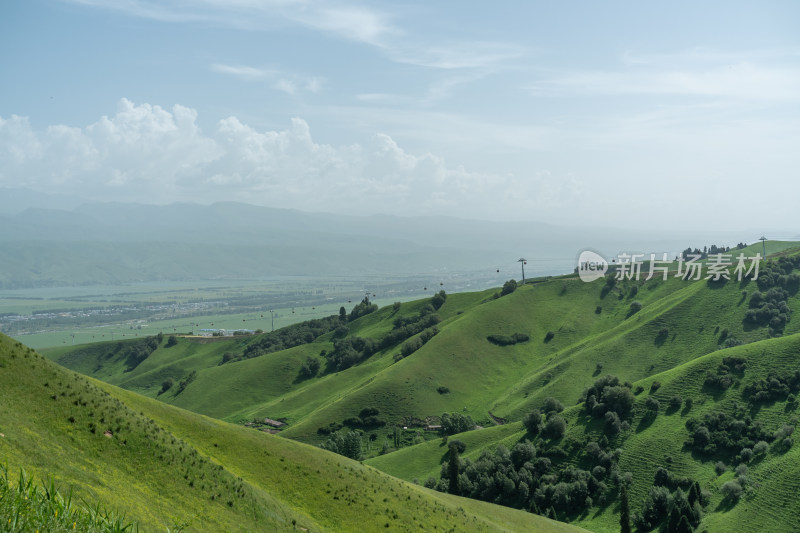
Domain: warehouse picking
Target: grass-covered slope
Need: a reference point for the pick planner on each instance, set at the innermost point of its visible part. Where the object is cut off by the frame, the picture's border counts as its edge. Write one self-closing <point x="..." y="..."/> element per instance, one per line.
<point x="161" y="466"/>
<point x="658" y="440"/>
<point x="573" y="327"/>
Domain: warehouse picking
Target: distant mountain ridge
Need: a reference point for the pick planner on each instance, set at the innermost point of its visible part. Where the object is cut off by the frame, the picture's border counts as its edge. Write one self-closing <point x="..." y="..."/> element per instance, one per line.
<point x="111" y="243"/>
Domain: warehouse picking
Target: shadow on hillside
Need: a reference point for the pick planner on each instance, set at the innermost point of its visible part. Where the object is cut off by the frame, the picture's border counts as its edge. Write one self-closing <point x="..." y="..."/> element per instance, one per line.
<point x="646" y="421"/>
<point x="725" y="505"/>
<point x="720" y="283"/>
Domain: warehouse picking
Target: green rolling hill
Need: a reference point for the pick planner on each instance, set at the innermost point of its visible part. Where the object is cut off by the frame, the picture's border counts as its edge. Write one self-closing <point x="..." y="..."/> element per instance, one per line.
<point x="163" y="467"/>
<point x="570" y="333"/>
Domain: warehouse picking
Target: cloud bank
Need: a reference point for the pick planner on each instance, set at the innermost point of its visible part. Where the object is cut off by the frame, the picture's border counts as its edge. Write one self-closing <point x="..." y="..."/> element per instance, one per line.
<point x="145" y="153"/>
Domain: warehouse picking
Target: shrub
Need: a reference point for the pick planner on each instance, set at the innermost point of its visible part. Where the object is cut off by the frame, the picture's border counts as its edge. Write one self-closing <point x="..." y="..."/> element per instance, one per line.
<point x="654" y="386"/>
<point x="720" y="468"/>
<point x="552" y="405"/>
<point x="171" y="341"/>
<point x="731" y="490"/>
<point x="533" y="422"/>
<point x="442" y="390"/>
<point x="636" y="306"/>
<point x="310" y="367"/>
<point x="760" y="447"/>
<point x="549" y="336"/>
<point x="651" y="404"/>
<point x="166" y="385"/>
<point x="675" y="402"/>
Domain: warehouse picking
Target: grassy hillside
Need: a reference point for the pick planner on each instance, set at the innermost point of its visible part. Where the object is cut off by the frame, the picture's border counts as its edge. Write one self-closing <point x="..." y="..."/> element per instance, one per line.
<point x="675" y="332"/>
<point x="162" y="466"/>
<point x="572" y="327"/>
<point x="655" y="441"/>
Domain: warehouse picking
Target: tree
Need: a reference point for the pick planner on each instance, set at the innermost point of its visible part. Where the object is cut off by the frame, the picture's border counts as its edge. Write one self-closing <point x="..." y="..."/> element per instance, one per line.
<point x="731" y="490"/>
<point x="551" y="404"/>
<point x="509" y="287"/>
<point x="453" y="468"/>
<point x="438" y="299"/>
<point x="342" y="314"/>
<point x="456" y="423"/>
<point x="533" y="422"/>
<point x="684" y="526"/>
<point x="555" y="427"/>
<point x="310" y="367"/>
<point x="166" y="385"/>
<point x="171" y="341"/>
<point x="624" y="509"/>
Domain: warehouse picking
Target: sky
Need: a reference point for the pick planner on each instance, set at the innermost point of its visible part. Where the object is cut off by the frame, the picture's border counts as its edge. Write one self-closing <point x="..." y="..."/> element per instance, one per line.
<point x="647" y="115"/>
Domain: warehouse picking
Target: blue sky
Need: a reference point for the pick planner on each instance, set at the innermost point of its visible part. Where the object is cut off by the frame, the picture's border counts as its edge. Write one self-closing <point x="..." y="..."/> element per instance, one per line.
<point x="635" y="114"/>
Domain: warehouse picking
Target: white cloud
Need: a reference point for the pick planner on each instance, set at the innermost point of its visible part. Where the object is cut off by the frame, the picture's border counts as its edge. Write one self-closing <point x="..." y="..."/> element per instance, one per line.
<point x="286" y="86"/>
<point x="768" y="75"/>
<point x="147" y="153"/>
<point x="241" y="71"/>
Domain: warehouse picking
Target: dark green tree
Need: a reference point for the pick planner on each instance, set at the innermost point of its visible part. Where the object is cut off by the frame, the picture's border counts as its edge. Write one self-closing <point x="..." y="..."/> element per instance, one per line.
<point x="509" y="287"/>
<point x="342" y="314"/>
<point x="453" y="469"/>
<point x="624" y="509"/>
<point x="684" y="526"/>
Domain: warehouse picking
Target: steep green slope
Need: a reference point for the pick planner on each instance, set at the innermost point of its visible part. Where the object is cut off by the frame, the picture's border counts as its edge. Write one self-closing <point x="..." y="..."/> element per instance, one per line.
<point x="659" y="441"/>
<point x="162" y="466"/>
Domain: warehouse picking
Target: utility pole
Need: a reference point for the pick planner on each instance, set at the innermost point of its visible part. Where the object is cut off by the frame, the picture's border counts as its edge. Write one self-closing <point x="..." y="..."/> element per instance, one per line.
<point x="764" y="246"/>
<point x="523" y="262"/>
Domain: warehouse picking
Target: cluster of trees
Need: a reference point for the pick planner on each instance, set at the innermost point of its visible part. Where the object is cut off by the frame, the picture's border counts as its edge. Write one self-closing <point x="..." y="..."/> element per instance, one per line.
<point x="367" y="418"/>
<point x="709" y="250"/>
<point x="289" y="337"/>
<point x="770" y="308"/>
<point x="677" y="501"/>
<point x="310" y="367"/>
<point x="718" y="432"/>
<point x="349" y="351"/>
<point x="776" y="282"/>
<point x="525" y="478"/>
<point x="345" y="442"/>
<point x="191" y="376"/>
<point x="609" y="399"/>
<point x="508" y="340"/>
<point x="134" y="352"/>
<point x="456" y="423"/>
<point x="406" y="327"/>
<point x="546" y="421"/>
<point x="774" y="387"/>
<point x="363" y="308"/>
<point x="414" y="344"/>
<point x="725" y="374"/>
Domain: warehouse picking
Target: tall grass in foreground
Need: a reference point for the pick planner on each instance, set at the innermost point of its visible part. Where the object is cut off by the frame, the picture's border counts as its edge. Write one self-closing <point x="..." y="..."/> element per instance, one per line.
<point x="27" y="507"/>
